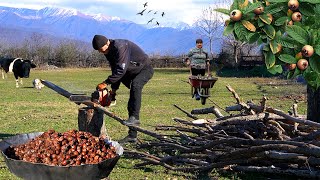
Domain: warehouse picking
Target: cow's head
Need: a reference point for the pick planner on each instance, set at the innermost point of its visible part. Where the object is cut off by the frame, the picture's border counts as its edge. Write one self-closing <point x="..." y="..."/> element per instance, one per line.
<point x="25" y="68"/>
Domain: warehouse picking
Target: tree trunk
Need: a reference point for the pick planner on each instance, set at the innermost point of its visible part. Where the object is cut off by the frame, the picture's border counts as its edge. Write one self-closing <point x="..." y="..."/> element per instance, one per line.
<point x="91" y="120"/>
<point x="313" y="104"/>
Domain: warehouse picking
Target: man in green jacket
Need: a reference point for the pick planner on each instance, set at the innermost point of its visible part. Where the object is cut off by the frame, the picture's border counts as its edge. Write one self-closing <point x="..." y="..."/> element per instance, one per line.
<point x="199" y="62"/>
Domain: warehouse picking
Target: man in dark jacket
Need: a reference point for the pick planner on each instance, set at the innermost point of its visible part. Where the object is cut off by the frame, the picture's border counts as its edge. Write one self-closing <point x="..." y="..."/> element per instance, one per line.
<point x="129" y="65"/>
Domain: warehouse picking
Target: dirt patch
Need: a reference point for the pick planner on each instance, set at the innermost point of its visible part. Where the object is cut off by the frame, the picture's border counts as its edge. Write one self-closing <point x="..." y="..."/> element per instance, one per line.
<point x="299" y="98"/>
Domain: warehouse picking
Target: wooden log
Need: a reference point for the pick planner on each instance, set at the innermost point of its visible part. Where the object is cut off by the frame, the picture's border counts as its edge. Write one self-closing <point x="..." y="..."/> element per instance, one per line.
<point x="311" y="136"/>
<point x="297" y="120"/>
<point x="248" y="152"/>
<point x="242" y="119"/>
<point x="263" y="103"/>
<point x="235" y="95"/>
<point x="275" y="170"/>
<point x="187" y="113"/>
<point x="91" y="120"/>
<point x="236" y="107"/>
<point x="208" y="110"/>
<point x="175" y="128"/>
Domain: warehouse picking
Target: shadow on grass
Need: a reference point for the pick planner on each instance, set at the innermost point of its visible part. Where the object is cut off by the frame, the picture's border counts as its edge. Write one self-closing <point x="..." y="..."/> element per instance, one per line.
<point x="173" y="71"/>
<point x="176" y="93"/>
<point x="4" y="136"/>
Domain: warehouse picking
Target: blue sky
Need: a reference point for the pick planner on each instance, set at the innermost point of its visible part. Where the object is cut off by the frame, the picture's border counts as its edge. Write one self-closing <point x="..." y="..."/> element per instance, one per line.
<point x="175" y="10"/>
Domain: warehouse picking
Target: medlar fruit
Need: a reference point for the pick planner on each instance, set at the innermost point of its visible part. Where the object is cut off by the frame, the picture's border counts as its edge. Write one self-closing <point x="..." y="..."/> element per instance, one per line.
<point x="291" y="66"/>
<point x="293" y="5"/>
<point x="307" y="51"/>
<point x="296" y="17"/>
<point x="302" y="64"/>
<point x="259" y="10"/>
<point x="235" y="15"/>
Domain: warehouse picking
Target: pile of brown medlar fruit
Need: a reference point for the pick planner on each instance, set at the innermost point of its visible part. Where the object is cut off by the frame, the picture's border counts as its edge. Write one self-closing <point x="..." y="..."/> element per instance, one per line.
<point x="70" y="148"/>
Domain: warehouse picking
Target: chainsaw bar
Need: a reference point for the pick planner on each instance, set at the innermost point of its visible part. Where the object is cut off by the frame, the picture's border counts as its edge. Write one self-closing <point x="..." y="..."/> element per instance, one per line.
<point x="78" y="98"/>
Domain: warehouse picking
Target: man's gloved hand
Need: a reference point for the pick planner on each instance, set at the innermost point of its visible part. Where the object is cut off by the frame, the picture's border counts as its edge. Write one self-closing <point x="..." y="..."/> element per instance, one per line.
<point x="102" y="86"/>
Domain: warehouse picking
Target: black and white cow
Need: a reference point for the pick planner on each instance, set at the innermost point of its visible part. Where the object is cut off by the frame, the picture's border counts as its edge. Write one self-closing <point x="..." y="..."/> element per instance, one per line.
<point x="18" y="66"/>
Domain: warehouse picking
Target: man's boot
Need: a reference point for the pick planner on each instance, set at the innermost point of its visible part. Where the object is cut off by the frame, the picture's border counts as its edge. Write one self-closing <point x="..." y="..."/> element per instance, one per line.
<point x="131" y="138"/>
<point x="132" y="121"/>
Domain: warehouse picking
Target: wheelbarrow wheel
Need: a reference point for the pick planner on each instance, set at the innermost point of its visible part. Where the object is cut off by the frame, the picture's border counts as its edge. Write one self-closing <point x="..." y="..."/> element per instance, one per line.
<point x="202" y="98"/>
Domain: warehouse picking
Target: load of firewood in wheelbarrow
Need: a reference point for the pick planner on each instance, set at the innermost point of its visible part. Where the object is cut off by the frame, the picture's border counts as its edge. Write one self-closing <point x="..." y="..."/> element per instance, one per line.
<point x="258" y="139"/>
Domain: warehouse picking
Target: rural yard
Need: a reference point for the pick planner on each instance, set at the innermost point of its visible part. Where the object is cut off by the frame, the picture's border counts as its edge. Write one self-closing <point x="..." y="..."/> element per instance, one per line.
<point x="117" y="90"/>
<point x="27" y="110"/>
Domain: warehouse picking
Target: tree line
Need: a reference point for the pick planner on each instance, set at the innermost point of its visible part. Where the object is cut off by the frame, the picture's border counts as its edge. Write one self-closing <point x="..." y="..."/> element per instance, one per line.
<point x="78" y="54"/>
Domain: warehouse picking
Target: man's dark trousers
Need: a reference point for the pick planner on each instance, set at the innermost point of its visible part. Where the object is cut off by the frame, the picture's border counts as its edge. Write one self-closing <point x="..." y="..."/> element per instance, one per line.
<point x="134" y="103"/>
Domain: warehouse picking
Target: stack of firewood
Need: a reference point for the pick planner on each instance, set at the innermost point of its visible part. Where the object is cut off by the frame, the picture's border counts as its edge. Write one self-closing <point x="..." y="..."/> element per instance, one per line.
<point x="256" y="139"/>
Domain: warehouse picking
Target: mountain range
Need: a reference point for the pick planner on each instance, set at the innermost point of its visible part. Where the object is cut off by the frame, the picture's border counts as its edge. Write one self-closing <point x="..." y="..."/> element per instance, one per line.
<point x="169" y="39"/>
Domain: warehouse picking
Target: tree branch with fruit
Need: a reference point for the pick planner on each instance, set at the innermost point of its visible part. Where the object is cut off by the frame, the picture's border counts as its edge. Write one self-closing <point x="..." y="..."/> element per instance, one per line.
<point x="288" y="31"/>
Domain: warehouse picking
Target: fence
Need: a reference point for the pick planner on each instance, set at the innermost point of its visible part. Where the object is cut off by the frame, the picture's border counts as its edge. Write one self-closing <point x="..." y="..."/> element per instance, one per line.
<point x="178" y="62"/>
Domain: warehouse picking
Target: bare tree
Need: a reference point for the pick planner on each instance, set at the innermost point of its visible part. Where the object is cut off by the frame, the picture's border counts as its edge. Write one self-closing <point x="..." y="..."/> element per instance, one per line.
<point x="208" y="24"/>
<point x="40" y="49"/>
<point x="235" y="46"/>
<point x="239" y="49"/>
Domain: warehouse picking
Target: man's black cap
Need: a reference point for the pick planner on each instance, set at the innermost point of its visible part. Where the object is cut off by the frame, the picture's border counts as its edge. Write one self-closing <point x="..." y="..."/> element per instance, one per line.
<point x="99" y="41"/>
<point x="199" y="41"/>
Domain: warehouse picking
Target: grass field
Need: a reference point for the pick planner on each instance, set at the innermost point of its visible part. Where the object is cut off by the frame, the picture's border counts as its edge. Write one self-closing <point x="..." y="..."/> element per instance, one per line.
<point x="25" y="109"/>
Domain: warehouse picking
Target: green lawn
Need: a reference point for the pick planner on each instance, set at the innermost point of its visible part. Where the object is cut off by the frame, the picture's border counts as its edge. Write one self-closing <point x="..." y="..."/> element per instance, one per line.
<point x="25" y="109"/>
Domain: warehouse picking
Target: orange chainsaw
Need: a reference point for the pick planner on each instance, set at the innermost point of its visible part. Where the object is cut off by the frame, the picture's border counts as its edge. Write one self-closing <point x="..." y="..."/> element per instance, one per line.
<point x="104" y="97"/>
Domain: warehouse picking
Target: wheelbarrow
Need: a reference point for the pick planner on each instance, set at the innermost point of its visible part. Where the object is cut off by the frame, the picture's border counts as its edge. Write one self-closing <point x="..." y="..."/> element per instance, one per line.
<point x="202" y="85"/>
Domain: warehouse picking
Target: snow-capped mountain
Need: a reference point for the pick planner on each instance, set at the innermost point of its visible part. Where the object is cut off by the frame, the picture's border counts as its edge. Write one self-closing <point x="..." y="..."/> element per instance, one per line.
<point x="174" y="38"/>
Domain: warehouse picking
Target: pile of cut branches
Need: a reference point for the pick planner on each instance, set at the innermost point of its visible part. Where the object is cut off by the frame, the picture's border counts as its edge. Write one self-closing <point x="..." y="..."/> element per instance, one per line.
<point x="256" y="139"/>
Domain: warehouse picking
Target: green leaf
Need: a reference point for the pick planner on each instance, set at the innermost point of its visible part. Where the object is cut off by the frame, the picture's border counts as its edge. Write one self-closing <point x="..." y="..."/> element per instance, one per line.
<point x="287" y="42"/>
<point x="293" y="74"/>
<point x="306" y="9"/>
<point x="265" y="18"/>
<point x="274" y="47"/>
<point x="229" y="29"/>
<point x="260" y="23"/>
<point x="251" y="7"/>
<point x="313" y="78"/>
<point x="277" y="1"/>
<point x="310" y="20"/>
<point x="309" y="1"/>
<point x="276" y="69"/>
<point x="269" y="59"/>
<point x="240" y="31"/>
<point x="269" y="30"/>
<point x="234" y="5"/>
<point x="224" y="11"/>
<point x="248" y="25"/>
<point x="253" y="37"/>
<point x="312" y="37"/>
<point x="266" y="48"/>
<point x="281" y="21"/>
<point x="317" y="49"/>
<point x="317" y="9"/>
<point x="314" y="62"/>
<point x="298" y="34"/>
<point x="243" y="4"/>
<point x="275" y="8"/>
<point x="287" y="59"/>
